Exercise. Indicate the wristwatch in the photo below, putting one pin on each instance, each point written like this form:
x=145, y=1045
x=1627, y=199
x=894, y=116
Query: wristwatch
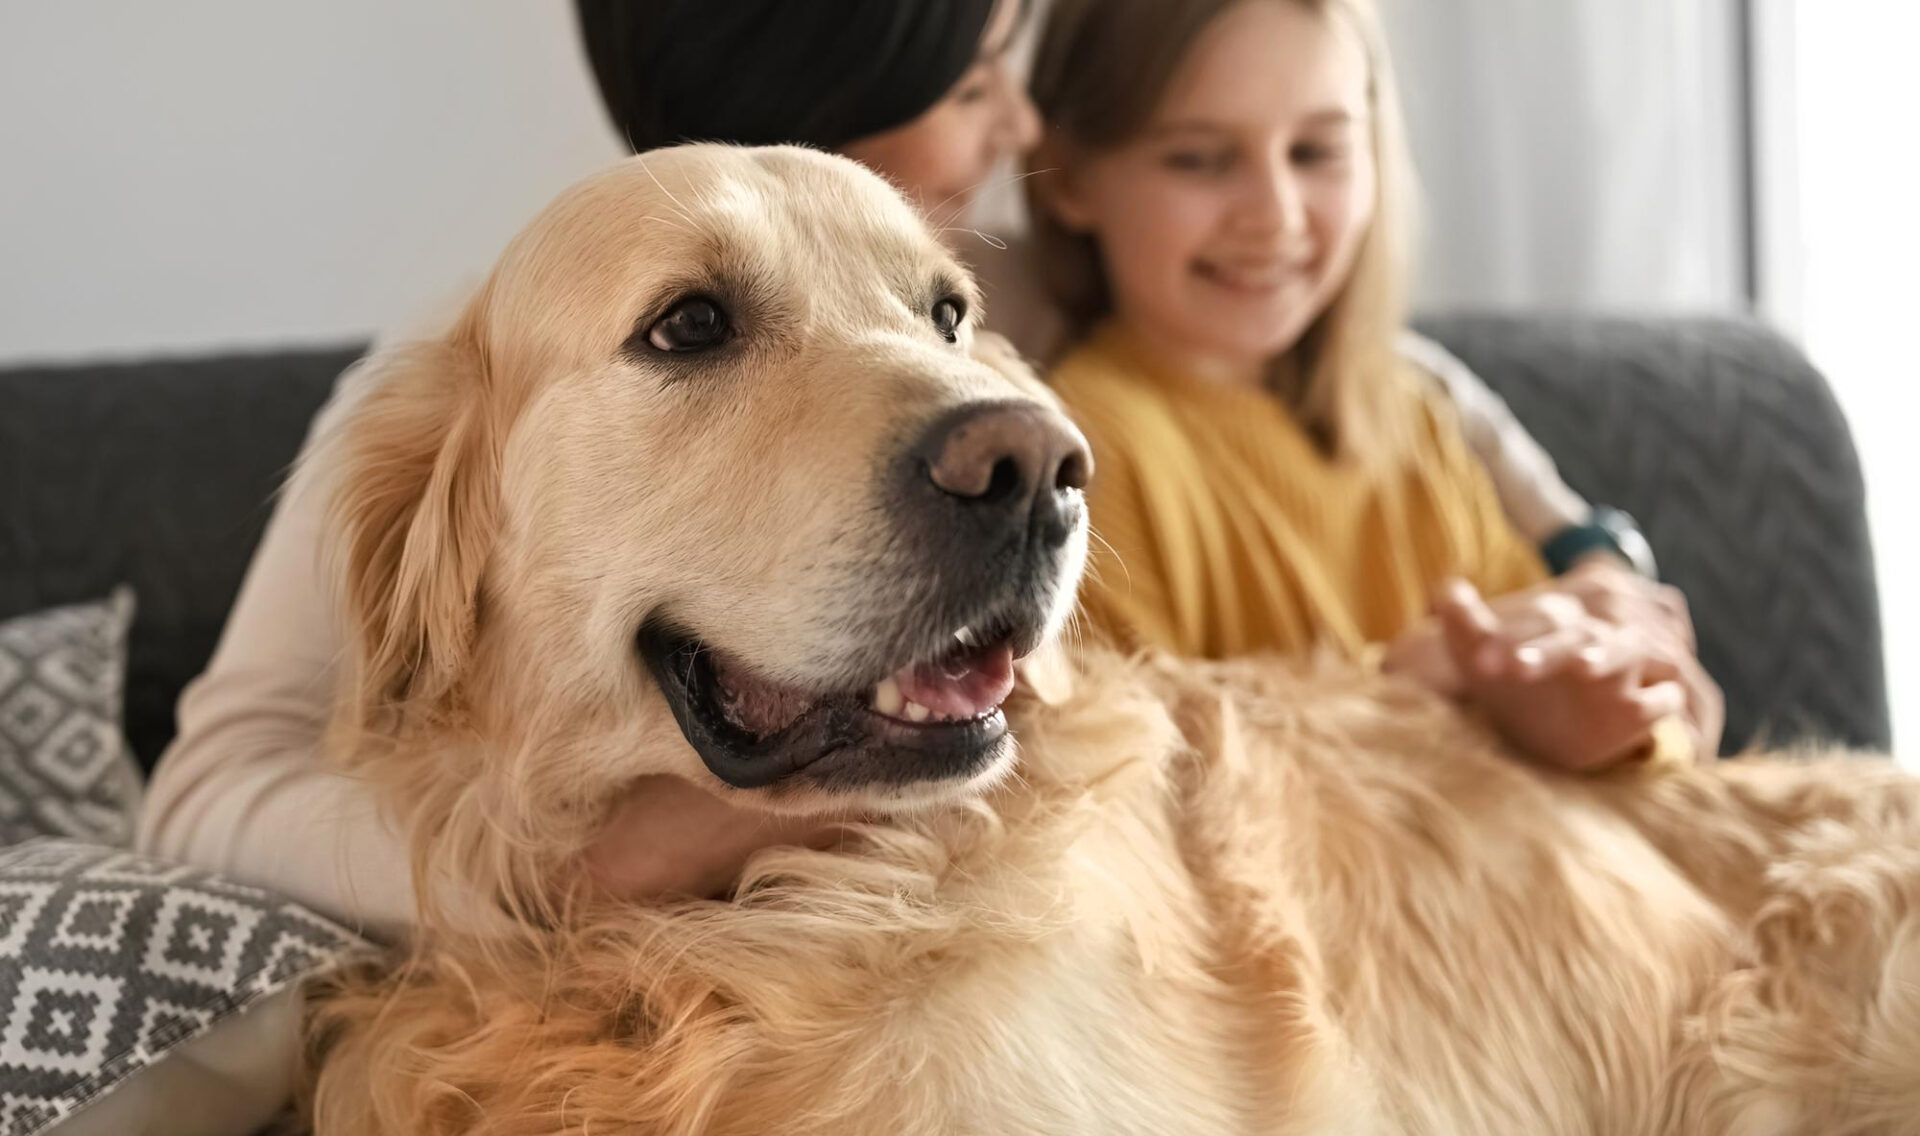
x=1607, y=530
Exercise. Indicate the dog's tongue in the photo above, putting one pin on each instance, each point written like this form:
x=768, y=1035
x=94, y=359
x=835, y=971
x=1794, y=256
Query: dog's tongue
x=967, y=684
x=961, y=686
x=758, y=704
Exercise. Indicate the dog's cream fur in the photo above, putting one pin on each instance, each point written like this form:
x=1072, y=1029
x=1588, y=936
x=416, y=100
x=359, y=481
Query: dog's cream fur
x=1230, y=898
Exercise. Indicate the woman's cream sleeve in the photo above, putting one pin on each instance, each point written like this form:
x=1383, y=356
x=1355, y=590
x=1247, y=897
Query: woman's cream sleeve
x=243, y=788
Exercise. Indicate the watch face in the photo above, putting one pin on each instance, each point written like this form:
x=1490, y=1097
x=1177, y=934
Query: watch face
x=1629, y=540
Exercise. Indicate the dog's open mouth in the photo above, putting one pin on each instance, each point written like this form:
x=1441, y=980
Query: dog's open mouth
x=966, y=685
x=931, y=720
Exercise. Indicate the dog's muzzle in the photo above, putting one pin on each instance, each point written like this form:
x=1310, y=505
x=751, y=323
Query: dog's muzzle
x=988, y=519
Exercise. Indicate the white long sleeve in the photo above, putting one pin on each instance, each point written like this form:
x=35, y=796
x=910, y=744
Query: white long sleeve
x=244, y=789
x=1531, y=491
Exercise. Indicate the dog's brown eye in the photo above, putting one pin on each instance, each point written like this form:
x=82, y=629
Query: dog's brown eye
x=947, y=315
x=695, y=324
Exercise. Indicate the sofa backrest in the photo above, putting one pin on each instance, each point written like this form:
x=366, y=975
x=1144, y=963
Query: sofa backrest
x=1716, y=434
x=156, y=474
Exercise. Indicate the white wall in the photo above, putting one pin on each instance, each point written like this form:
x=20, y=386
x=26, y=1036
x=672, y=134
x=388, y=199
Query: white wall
x=190, y=174
x=186, y=174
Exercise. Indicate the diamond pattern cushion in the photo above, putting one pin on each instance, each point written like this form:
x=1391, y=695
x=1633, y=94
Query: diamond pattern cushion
x=65, y=769
x=110, y=961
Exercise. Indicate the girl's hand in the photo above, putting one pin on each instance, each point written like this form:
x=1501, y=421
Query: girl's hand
x=1571, y=688
x=1422, y=655
x=1604, y=588
x=668, y=837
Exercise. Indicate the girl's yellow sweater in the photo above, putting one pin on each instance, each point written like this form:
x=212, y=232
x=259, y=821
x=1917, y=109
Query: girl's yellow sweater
x=1223, y=529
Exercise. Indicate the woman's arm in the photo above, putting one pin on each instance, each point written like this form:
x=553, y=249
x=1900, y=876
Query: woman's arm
x=1531, y=492
x=243, y=788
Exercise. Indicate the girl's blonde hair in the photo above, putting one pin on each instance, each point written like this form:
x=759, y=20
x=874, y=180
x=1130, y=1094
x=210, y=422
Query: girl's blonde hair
x=1103, y=67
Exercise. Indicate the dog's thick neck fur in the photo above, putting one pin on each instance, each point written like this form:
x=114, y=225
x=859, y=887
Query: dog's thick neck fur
x=1223, y=900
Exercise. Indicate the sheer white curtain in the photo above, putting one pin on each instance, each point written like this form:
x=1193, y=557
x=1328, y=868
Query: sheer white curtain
x=1577, y=154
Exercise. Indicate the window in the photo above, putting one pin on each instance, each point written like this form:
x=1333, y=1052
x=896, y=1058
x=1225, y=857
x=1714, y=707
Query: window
x=1838, y=190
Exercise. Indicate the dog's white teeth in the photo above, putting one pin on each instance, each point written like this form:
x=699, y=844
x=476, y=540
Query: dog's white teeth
x=967, y=638
x=890, y=701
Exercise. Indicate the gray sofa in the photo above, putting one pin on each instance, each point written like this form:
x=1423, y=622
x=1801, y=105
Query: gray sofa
x=1716, y=434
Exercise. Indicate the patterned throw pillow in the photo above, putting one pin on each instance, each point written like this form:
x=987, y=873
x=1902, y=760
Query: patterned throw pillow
x=65, y=769
x=109, y=960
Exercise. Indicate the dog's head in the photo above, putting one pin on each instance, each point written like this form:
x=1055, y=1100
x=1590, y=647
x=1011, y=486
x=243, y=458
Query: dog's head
x=715, y=477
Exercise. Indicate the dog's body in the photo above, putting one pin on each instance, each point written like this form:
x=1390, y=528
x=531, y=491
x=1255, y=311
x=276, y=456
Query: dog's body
x=1231, y=898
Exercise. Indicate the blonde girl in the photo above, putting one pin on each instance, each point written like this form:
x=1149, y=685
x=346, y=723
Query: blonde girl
x=1222, y=206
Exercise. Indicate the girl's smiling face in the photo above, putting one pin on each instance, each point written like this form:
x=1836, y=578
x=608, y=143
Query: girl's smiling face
x=1231, y=222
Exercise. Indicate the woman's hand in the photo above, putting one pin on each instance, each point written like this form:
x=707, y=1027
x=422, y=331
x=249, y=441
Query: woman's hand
x=668, y=837
x=1613, y=592
x=1602, y=586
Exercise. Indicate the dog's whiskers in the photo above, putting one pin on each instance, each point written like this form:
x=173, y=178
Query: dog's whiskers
x=685, y=214
x=986, y=238
x=940, y=224
x=674, y=225
x=1093, y=567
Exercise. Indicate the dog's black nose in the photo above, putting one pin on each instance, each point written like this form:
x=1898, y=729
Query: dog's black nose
x=1014, y=458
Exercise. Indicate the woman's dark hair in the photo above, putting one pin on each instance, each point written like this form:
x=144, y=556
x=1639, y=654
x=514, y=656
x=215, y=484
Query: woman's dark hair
x=760, y=72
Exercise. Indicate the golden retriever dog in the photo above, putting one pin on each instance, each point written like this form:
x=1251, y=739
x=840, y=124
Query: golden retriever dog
x=717, y=478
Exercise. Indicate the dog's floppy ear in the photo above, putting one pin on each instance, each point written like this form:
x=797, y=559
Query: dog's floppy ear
x=415, y=477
